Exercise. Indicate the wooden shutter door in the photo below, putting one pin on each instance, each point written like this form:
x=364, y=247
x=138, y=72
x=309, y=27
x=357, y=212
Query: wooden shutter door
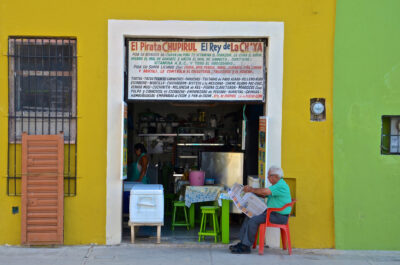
x=42, y=198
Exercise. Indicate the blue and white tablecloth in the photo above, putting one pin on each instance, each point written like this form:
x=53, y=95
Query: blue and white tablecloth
x=194, y=194
x=223, y=196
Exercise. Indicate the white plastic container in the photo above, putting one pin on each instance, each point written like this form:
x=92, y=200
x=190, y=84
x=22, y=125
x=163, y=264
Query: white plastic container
x=146, y=204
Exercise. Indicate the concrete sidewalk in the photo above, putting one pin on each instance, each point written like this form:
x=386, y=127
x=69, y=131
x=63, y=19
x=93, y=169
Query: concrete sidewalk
x=169, y=254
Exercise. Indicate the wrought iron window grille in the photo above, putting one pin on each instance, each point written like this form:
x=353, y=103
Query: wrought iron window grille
x=42, y=100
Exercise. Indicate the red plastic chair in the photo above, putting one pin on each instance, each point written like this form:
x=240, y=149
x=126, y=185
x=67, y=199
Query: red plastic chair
x=285, y=234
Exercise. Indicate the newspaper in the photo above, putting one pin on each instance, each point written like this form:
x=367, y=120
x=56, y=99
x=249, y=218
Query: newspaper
x=247, y=202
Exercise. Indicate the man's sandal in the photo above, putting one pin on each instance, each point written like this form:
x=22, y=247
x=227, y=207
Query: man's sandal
x=231, y=247
x=241, y=250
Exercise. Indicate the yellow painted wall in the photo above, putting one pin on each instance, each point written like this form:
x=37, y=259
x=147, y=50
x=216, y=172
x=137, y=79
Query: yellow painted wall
x=308, y=60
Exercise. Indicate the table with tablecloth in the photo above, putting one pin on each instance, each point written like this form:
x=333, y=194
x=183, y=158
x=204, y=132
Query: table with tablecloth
x=197, y=194
x=194, y=194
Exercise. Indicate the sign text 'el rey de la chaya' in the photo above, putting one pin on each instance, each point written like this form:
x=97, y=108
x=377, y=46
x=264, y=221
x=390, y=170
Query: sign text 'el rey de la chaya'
x=197, y=70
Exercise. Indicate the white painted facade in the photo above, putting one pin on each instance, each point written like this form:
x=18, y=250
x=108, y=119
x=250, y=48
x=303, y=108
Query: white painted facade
x=118, y=30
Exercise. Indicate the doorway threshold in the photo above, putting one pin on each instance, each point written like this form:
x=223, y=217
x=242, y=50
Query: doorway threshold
x=180, y=237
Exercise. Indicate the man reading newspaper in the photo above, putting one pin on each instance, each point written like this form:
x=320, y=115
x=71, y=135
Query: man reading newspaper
x=278, y=195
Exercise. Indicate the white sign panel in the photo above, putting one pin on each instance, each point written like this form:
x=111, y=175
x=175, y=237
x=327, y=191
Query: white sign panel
x=197, y=70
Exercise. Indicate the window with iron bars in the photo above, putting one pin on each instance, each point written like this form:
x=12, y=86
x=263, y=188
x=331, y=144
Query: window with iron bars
x=42, y=101
x=390, y=135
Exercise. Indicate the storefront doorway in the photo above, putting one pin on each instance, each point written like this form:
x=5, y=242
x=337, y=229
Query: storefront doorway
x=119, y=30
x=177, y=137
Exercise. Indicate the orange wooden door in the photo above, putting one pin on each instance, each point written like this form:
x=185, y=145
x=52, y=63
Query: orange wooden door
x=42, y=197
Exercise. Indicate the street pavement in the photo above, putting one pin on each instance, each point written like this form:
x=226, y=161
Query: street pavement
x=193, y=254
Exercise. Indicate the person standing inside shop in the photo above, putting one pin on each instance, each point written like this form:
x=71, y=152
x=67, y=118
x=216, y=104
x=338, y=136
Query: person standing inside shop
x=138, y=170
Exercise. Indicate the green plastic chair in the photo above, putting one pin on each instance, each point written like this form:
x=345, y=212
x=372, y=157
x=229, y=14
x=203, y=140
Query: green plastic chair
x=208, y=212
x=178, y=204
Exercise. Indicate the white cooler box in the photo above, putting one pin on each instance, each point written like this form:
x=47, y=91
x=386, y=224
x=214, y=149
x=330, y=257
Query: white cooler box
x=146, y=204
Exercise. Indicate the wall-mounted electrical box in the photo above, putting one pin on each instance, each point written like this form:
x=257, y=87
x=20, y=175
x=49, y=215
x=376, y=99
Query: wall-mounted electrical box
x=317, y=109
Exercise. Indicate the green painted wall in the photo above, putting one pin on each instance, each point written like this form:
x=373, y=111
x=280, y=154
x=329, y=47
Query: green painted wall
x=366, y=86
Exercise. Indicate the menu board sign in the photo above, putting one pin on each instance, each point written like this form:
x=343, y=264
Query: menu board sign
x=196, y=70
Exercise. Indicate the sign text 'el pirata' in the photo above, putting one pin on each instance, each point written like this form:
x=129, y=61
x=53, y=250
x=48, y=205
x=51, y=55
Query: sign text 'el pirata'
x=197, y=70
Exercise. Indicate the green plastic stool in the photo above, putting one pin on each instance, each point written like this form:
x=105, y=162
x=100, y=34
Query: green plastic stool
x=178, y=204
x=212, y=212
